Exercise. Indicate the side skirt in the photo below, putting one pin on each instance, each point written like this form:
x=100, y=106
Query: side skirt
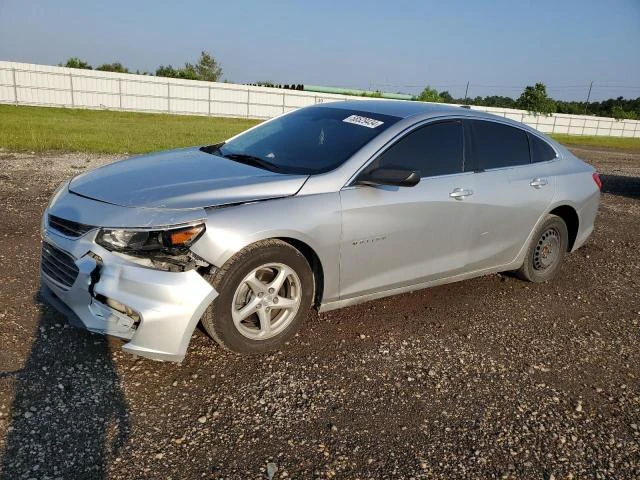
x=347, y=302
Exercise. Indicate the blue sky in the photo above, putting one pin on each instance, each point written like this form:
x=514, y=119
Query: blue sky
x=499, y=46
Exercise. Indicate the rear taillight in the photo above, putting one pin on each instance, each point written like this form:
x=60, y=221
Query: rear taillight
x=596, y=178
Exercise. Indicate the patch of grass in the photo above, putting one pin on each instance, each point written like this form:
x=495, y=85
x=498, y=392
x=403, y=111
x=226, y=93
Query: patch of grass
x=64, y=129
x=620, y=143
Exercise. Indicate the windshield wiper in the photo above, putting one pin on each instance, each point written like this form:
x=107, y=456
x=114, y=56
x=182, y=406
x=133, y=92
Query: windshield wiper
x=252, y=160
x=240, y=157
x=212, y=149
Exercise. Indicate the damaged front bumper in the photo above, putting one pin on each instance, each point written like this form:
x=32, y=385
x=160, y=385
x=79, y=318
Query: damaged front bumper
x=155, y=311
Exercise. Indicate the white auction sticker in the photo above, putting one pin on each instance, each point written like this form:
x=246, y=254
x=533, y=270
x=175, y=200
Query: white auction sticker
x=363, y=121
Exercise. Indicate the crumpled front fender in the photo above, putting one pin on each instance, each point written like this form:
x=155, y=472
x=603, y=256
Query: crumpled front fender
x=169, y=304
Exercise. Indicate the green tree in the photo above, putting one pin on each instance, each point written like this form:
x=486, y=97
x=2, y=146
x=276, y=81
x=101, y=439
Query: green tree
x=75, y=62
x=188, y=72
x=113, y=67
x=620, y=113
x=429, y=95
x=167, y=71
x=208, y=68
x=535, y=100
x=446, y=97
x=499, y=101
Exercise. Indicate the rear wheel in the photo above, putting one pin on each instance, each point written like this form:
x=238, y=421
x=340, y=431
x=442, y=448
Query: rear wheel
x=264, y=294
x=546, y=251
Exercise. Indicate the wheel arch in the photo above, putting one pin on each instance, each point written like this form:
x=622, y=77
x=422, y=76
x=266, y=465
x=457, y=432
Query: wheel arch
x=219, y=256
x=570, y=217
x=314, y=262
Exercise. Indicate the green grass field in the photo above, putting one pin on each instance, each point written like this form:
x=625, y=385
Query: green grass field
x=620, y=143
x=64, y=129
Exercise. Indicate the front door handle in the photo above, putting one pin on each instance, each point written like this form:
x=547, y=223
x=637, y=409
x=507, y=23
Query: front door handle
x=538, y=182
x=460, y=193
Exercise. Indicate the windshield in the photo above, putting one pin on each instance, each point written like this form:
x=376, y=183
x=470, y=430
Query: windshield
x=306, y=141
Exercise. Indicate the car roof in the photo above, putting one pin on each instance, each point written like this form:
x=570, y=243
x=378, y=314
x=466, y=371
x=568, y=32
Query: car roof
x=408, y=108
x=396, y=108
x=405, y=109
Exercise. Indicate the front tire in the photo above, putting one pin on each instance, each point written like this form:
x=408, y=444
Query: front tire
x=546, y=251
x=264, y=294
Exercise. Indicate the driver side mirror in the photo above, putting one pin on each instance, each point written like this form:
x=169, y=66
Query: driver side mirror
x=389, y=176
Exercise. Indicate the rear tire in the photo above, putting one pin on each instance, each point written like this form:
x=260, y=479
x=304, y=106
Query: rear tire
x=264, y=294
x=546, y=251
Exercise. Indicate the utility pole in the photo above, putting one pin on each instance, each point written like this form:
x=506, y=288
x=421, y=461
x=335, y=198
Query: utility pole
x=588, y=97
x=466, y=91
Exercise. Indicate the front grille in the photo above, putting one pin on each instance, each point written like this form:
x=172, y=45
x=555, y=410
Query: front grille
x=67, y=227
x=58, y=265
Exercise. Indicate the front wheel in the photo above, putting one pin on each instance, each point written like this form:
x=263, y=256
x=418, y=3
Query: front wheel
x=546, y=251
x=264, y=294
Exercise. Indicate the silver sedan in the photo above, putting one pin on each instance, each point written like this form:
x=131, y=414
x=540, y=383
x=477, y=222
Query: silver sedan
x=326, y=206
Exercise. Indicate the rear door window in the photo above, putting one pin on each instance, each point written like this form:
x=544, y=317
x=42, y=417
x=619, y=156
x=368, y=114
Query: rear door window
x=496, y=145
x=541, y=151
x=435, y=149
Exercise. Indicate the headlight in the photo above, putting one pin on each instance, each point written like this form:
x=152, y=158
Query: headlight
x=174, y=240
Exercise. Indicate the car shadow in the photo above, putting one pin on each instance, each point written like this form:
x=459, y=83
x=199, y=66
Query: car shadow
x=621, y=185
x=69, y=415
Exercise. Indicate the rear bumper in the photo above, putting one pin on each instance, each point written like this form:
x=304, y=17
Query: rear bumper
x=586, y=219
x=167, y=305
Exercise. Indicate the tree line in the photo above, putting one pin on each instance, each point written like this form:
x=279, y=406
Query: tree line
x=206, y=68
x=536, y=100
x=533, y=99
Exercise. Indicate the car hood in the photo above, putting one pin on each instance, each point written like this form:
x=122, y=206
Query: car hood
x=183, y=178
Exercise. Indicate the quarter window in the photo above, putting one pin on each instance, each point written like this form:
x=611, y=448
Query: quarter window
x=497, y=145
x=541, y=151
x=436, y=149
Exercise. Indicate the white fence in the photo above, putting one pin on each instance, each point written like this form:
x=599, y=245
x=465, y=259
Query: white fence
x=30, y=84
x=45, y=85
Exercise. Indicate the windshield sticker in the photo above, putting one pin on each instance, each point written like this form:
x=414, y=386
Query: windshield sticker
x=363, y=121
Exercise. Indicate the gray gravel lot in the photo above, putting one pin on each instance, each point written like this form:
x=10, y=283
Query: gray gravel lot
x=488, y=378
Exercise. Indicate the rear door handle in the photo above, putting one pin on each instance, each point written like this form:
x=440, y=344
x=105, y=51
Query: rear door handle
x=460, y=193
x=538, y=182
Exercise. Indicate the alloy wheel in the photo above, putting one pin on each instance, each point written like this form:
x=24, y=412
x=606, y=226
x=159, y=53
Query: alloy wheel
x=266, y=301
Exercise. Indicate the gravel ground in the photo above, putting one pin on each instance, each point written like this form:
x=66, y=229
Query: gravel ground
x=488, y=378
